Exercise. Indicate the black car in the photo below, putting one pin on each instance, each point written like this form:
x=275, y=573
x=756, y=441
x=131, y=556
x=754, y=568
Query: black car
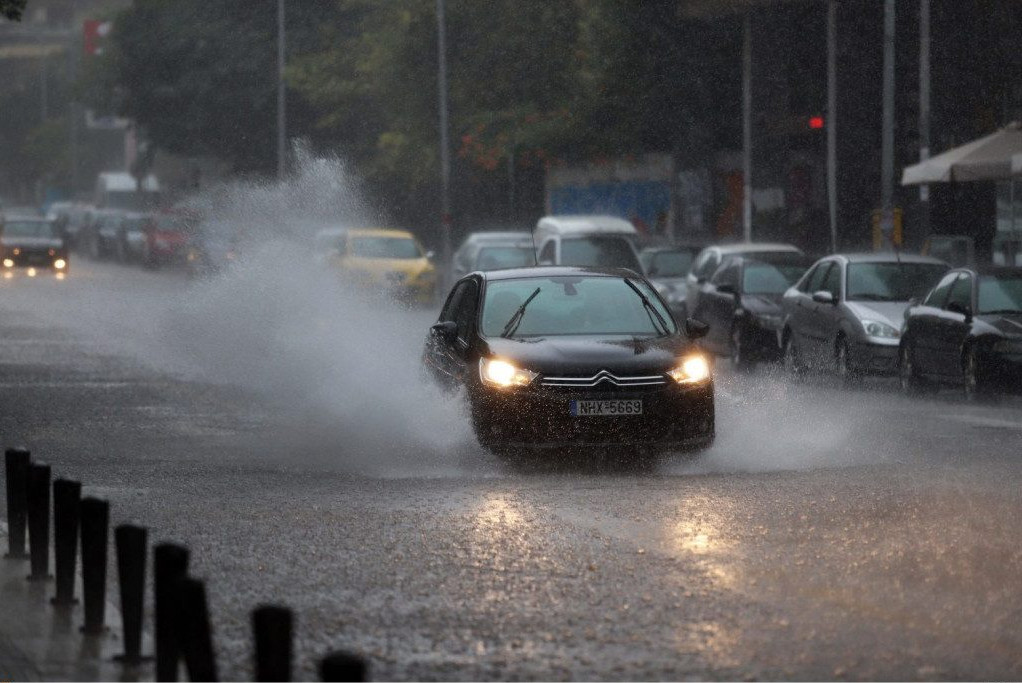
x=741, y=303
x=32, y=243
x=967, y=332
x=572, y=358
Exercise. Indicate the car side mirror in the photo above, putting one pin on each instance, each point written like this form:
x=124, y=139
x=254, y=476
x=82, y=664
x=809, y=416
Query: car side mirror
x=695, y=329
x=446, y=330
x=824, y=297
x=727, y=288
x=961, y=309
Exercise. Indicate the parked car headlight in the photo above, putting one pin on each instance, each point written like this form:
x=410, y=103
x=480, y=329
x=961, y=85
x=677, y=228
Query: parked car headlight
x=875, y=328
x=691, y=370
x=500, y=373
x=8, y=263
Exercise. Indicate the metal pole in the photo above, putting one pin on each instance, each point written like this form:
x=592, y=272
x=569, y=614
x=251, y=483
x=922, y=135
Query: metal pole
x=887, y=154
x=831, y=122
x=445, y=151
x=924, y=112
x=747, y=126
x=44, y=96
x=281, y=110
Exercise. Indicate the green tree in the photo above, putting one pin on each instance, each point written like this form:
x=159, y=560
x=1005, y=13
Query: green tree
x=12, y=9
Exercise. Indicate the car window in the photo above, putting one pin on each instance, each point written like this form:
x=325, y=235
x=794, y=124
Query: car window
x=891, y=281
x=548, y=254
x=465, y=309
x=1001, y=293
x=815, y=280
x=709, y=265
x=447, y=312
x=670, y=263
x=384, y=247
x=832, y=283
x=494, y=258
x=938, y=295
x=28, y=229
x=573, y=305
x=770, y=278
x=727, y=274
x=599, y=250
x=961, y=292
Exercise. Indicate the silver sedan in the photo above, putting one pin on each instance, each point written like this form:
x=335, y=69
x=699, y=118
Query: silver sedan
x=846, y=312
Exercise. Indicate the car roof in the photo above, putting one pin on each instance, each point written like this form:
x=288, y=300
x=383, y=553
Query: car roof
x=495, y=235
x=379, y=232
x=579, y=224
x=680, y=246
x=752, y=247
x=990, y=269
x=770, y=257
x=555, y=271
x=887, y=257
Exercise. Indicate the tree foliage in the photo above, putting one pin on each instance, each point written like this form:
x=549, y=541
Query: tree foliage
x=12, y=9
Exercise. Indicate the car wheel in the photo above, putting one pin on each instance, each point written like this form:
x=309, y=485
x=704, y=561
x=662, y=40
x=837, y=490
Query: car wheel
x=908, y=376
x=739, y=356
x=973, y=382
x=792, y=363
x=842, y=363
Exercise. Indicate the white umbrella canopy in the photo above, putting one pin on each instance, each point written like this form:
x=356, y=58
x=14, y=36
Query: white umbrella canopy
x=988, y=158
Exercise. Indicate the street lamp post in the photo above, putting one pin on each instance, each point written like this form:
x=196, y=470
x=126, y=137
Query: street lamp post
x=445, y=151
x=281, y=110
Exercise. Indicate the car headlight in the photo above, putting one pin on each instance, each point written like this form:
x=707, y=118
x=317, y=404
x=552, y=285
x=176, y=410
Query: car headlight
x=875, y=328
x=500, y=373
x=60, y=264
x=8, y=263
x=691, y=370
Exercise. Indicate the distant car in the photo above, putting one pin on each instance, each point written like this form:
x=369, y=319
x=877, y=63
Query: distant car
x=464, y=259
x=132, y=235
x=967, y=331
x=583, y=240
x=666, y=268
x=741, y=303
x=385, y=259
x=32, y=243
x=846, y=312
x=213, y=247
x=101, y=236
x=167, y=235
x=710, y=258
x=567, y=358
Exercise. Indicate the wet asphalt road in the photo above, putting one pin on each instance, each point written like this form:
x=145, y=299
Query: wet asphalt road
x=829, y=533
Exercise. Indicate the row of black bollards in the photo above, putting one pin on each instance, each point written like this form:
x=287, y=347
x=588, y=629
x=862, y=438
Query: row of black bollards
x=183, y=633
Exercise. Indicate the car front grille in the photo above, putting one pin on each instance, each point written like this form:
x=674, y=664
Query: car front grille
x=604, y=377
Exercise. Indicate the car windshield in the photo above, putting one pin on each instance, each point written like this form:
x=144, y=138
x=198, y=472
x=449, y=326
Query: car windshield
x=572, y=305
x=602, y=251
x=670, y=263
x=891, y=281
x=767, y=278
x=1000, y=293
x=385, y=247
x=28, y=229
x=494, y=258
x=171, y=224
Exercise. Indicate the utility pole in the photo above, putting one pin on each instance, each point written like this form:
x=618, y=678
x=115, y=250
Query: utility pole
x=281, y=110
x=445, y=151
x=747, y=126
x=887, y=145
x=44, y=95
x=924, y=112
x=831, y=120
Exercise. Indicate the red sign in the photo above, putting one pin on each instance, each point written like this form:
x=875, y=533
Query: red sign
x=94, y=36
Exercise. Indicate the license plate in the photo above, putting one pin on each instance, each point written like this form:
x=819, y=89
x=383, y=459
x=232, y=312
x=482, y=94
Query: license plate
x=605, y=408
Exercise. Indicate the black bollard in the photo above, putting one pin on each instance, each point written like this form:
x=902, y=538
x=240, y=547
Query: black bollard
x=66, y=499
x=16, y=461
x=194, y=633
x=39, y=521
x=170, y=564
x=273, y=628
x=131, y=555
x=95, y=522
x=343, y=666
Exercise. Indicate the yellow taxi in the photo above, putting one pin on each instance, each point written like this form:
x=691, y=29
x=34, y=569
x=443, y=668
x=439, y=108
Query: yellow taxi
x=388, y=259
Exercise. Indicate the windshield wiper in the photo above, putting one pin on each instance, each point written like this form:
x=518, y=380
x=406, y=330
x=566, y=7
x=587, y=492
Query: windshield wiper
x=516, y=319
x=650, y=309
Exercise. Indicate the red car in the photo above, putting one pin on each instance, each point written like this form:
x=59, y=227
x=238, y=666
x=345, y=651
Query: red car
x=167, y=237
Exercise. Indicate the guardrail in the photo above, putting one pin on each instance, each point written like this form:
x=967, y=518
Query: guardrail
x=182, y=629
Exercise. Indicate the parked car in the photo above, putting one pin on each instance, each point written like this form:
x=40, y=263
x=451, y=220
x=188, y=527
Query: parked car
x=32, y=243
x=597, y=241
x=466, y=256
x=666, y=268
x=100, y=237
x=710, y=258
x=572, y=358
x=967, y=331
x=741, y=303
x=846, y=312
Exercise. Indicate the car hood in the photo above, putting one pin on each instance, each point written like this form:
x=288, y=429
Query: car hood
x=380, y=267
x=766, y=304
x=890, y=312
x=32, y=242
x=1008, y=324
x=587, y=355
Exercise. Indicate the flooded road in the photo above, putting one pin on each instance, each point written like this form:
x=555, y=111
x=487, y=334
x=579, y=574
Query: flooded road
x=829, y=533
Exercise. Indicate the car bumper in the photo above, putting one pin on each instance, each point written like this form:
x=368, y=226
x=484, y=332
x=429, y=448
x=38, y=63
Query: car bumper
x=673, y=418
x=874, y=358
x=32, y=260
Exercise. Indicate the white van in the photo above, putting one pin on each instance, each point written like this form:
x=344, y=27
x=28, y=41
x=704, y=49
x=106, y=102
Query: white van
x=600, y=241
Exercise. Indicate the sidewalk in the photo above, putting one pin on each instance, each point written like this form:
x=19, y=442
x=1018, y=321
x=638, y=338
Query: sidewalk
x=41, y=643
